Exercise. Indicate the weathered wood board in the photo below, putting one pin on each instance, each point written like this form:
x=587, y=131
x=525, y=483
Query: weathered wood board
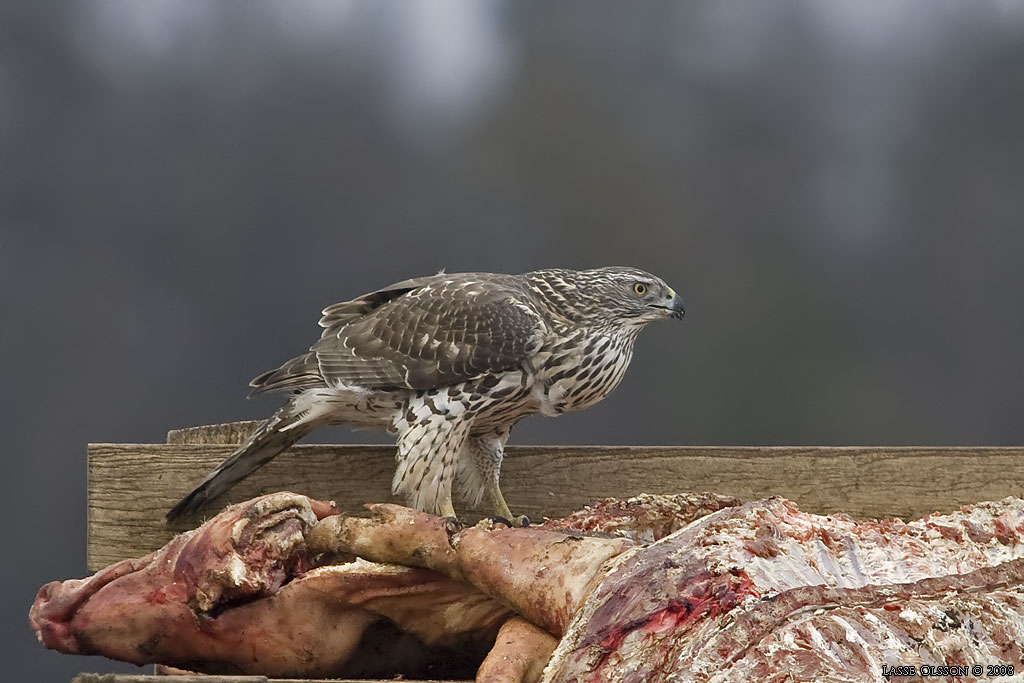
x=131, y=486
x=141, y=678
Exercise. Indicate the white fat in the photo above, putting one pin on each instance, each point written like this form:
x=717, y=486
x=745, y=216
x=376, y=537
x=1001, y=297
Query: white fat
x=823, y=644
x=236, y=570
x=829, y=568
x=360, y=566
x=913, y=616
x=852, y=635
x=862, y=554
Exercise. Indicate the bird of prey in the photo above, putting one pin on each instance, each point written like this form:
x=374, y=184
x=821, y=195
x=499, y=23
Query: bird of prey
x=449, y=363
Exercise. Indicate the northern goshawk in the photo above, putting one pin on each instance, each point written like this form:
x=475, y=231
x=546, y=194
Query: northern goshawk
x=449, y=363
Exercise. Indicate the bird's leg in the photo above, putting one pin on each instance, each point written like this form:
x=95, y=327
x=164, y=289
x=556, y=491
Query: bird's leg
x=501, y=508
x=480, y=468
x=447, y=509
x=498, y=502
x=427, y=451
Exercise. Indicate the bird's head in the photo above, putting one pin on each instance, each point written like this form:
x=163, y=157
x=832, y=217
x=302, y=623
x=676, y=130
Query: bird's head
x=616, y=295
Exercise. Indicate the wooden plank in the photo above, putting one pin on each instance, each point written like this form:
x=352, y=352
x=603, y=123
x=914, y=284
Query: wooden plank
x=142, y=678
x=132, y=485
x=226, y=433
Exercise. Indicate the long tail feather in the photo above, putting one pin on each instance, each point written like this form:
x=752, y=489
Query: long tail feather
x=273, y=436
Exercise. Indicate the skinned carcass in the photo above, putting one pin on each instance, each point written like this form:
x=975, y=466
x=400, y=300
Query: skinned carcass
x=744, y=593
x=243, y=594
x=651, y=588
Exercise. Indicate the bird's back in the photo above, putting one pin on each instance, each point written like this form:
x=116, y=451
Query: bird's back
x=416, y=334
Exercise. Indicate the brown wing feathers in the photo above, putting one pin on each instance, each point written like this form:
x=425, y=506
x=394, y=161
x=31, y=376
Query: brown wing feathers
x=301, y=372
x=434, y=336
x=418, y=334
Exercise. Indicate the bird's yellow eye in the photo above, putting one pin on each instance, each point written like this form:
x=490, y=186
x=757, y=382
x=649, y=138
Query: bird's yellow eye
x=640, y=288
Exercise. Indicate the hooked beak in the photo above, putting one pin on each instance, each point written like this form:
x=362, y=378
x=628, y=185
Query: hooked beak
x=673, y=308
x=676, y=308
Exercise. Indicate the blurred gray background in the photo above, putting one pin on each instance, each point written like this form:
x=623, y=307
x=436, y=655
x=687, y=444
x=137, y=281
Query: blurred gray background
x=835, y=188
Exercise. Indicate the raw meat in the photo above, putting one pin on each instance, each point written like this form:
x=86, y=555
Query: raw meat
x=645, y=589
x=644, y=518
x=660, y=605
x=520, y=653
x=673, y=610
x=241, y=595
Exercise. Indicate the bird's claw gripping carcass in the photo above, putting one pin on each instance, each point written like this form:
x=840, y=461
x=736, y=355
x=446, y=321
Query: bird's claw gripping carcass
x=652, y=588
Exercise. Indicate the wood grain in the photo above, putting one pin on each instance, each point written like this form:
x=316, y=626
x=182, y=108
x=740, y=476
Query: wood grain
x=226, y=433
x=142, y=678
x=131, y=486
